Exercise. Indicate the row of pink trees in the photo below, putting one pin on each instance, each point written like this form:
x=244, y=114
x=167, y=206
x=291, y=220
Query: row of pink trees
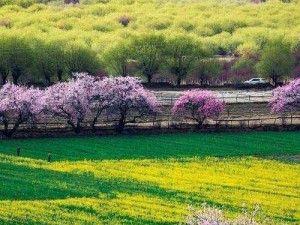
x=75, y=101
x=85, y=97
x=200, y=105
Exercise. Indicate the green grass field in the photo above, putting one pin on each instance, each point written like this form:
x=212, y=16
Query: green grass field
x=149, y=179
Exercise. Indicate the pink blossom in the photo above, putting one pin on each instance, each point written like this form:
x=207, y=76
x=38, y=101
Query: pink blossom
x=286, y=98
x=70, y=100
x=102, y=99
x=85, y=95
x=213, y=216
x=127, y=95
x=18, y=104
x=198, y=105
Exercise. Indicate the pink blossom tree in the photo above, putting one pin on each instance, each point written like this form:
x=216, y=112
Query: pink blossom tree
x=198, y=105
x=210, y=215
x=70, y=100
x=18, y=104
x=102, y=98
x=286, y=98
x=127, y=96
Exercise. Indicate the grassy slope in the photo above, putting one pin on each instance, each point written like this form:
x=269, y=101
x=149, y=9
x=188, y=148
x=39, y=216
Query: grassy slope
x=209, y=21
x=147, y=179
x=157, y=146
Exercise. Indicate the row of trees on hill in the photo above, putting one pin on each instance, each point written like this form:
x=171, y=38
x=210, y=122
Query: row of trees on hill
x=101, y=25
x=43, y=61
x=27, y=3
x=150, y=56
x=84, y=99
x=186, y=58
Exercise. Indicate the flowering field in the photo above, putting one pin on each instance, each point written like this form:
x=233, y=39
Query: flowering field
x=148, y=179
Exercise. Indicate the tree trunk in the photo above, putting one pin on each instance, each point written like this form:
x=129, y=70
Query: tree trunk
x=274, y=78
x=15, y=79
x=4, y=74
x=275, y=81
x=178, y=82
x=76, y=128
x=201, y=81
x=124, y=70
x=16, y=73
x=121, y=124
x=4, y=79
x=6, y=131
x=95, y=120
x=9, y=133
x=94, y=124
x=149, y=78
x=59, y=73
x=200, y=123
x=48, y=79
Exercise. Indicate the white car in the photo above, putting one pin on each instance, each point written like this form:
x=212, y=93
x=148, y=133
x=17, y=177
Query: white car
x=256, y=81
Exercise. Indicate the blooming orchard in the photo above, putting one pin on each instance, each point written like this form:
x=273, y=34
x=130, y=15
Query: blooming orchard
x=82, y=100
x=18, y=104
x=286, y=98
x=198, y=105
x=75, y=101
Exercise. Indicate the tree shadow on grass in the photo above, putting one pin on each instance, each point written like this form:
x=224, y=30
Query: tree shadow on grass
x=104, y=220
x=25, y=183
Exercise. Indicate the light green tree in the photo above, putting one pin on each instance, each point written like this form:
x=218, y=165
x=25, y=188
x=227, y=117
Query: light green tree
x=81, y=58
x=207, y=68
x=58, y=55
x=16, y=57
x=182, y=54
x=148, y=52
x=4, y=66
x=43, y=60
x=276, y=61
x=116, y=59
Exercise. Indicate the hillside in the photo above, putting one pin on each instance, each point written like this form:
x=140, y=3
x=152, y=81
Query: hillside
x=223, y=26
x=148, y=179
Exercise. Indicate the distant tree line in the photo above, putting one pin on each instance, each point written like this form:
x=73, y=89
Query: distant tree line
x=27, y=3
x=151, y=56
x=23, y=59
